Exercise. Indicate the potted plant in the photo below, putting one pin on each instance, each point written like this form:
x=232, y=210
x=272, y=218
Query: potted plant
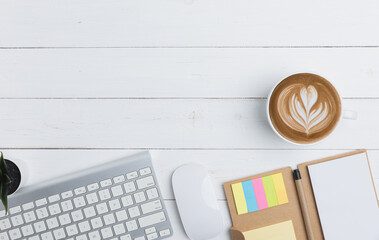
x=11, y=178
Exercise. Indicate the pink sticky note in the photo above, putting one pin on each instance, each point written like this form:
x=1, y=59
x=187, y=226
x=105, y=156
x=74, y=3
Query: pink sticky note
x=260, y=194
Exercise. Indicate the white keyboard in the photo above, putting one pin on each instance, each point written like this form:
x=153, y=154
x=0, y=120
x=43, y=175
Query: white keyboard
x=120, y=200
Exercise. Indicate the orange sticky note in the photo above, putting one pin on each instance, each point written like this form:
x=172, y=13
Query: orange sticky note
x=280, y=188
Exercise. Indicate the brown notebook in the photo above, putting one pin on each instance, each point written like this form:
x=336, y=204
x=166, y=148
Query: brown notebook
x=245, y=221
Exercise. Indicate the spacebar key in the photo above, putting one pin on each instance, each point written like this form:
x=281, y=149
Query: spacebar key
x=152, y=219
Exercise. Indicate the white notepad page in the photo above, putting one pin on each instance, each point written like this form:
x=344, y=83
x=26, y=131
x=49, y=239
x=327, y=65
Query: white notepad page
x=345, y=198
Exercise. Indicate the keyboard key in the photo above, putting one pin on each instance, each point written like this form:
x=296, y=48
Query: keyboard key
x=27, y=230
x=15, y=210
x=5, y=224
x=127, y=201
x=15, y=233
x=117, y=191
x=126, y=237
x=59, y=234
x=64, y=219
x=109, y=219
x=84, y=226
x=104, y=194
x=80, y=190
x=150, y=230
x=52, y=223
x=54, y=198
x=144, y=171
x=81, y=237
x=72, y=230
x=17, y=220
x=41, y=202
x=106, y=232
x=131, y=225
x=152, y=193
x=39, y=226
x=28, y=206
x=42, y=213
x=95, y=235
x=67, y=194
x=152, y=219
x=119, y=229
x=101, y=208
x=47, y=236
x=92, y=198
x=140, y=238
x=29, y=217
x=164, y=232
x=132, y=175
x=152, y=236
x=33, y=238
x=151, y=206
x=145, y=182
x=114, y=204
x=54, y=209
x=67, y=206
x=77, y=215
x=93, y=186
x=2, y=214
x=106, y=183
x=119, y=179
x=79, y=202
x=4, y=236
x=121, y=215
x=89, y=212
x=134, y=212
x=129, y=187
x=96, y=223
x=139, y=197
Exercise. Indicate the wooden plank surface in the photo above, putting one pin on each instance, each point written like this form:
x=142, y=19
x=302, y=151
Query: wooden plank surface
x=169, y=23
x=165, y=123
x=180, y=73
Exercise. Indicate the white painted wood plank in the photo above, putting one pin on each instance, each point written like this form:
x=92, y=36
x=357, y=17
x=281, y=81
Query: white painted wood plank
x=133, y=73
x=163, y=123
x=223, y=165
x=77, y=23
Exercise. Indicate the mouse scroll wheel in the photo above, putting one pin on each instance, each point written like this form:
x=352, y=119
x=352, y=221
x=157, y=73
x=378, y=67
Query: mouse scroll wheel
x=208, y=193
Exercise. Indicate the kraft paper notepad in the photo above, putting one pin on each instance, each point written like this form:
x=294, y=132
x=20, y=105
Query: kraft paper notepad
x=268, y=202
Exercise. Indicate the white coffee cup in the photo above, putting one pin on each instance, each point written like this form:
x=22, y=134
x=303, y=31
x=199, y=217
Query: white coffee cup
x=345, y=114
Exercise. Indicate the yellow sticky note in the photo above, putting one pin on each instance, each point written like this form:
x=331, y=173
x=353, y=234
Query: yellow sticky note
x=279, y=231
x=280, y=188
x=239, y=198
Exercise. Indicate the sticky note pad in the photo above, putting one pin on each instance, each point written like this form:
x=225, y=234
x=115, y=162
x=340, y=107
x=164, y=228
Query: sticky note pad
x=260, y=193
x=279, y=231
x=239, y=198
x=270, y=191
x=251, y=201
x=280, y=188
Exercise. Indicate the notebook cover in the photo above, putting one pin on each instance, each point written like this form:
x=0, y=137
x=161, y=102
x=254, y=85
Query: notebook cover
x=268, y=216
x=311, y=202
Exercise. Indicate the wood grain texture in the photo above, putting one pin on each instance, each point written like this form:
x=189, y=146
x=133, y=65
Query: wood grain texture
x=162, y=123
x=180, y=73
x=94, y=23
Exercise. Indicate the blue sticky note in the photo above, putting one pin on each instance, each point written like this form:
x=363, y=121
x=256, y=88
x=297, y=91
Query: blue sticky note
x=251, y=201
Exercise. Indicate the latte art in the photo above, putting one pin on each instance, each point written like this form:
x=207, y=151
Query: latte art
x=304, y=108
x=305, y=112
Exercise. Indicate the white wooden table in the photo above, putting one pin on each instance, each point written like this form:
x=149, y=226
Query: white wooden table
x=84, y=82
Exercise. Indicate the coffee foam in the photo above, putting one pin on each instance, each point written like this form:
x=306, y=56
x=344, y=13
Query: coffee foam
x=305, y=108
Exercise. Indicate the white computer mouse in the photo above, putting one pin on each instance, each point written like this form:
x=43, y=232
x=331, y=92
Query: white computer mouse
x=197, y=202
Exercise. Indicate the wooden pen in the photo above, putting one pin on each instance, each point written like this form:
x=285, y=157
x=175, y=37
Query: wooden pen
x=303, y=204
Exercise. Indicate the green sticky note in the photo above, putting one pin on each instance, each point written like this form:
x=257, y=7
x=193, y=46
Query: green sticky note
x=269, y=186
